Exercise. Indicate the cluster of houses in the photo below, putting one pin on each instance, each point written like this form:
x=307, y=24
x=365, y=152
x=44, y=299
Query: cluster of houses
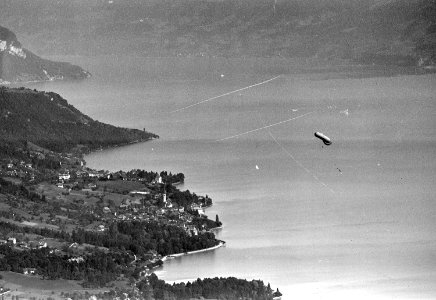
x=24, y=245
x=134, y=209
x=24, y=168
x=67, y=174
x=29, y=271
x=150, y=260
x=17, y=168
x=68, y=178
x=72, y=248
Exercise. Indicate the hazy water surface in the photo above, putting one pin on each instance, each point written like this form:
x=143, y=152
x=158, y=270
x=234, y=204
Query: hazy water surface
x=352, y=220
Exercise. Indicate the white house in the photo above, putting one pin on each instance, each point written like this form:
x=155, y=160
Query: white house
x=140, y=192
x=74, y=245
x=29, y=271
x=77, y=259
x=158, y=179
x=93, y=174
x=64, y=176
x=191, y=230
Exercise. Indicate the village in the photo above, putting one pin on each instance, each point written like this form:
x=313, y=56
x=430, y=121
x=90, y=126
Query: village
x=71, y=198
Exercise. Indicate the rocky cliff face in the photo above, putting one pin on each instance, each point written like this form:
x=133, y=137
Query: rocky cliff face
x=18, y=64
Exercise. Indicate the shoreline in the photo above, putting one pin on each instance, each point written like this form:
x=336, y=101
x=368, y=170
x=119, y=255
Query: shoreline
x=100, y=149
x=220, y=244
x=171, y=256
x=217, y=228
x=11, y=83
x=176, y=255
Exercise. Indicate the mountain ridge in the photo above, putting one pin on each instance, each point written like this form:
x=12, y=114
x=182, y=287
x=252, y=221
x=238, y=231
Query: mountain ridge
x=364, y=31
x=18, y=64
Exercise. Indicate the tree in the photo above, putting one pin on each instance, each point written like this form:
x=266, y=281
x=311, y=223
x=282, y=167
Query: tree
x=217, y=221
x=148, y=291
x=113, y=230
x=277, y=293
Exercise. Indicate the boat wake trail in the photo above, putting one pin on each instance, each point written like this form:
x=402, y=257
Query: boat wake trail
x=301, y=165
x=264, y=127
x=226, y=94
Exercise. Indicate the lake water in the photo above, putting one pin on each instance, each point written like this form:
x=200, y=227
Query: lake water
x=354, y=220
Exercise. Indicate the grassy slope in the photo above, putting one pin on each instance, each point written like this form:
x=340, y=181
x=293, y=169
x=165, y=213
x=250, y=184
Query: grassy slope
x=32, y=286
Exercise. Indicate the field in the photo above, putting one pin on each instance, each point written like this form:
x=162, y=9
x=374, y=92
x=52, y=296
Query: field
x=107, y=190
x=32, y=287
x=120, y=186
x=27, y=286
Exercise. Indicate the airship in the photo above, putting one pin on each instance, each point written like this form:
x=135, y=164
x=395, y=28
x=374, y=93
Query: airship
x=323, y=138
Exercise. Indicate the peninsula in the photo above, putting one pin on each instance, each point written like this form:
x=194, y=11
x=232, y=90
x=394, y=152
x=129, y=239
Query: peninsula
x=92, y=230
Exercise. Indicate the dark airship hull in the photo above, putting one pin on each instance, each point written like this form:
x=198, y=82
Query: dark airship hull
x=326, y=140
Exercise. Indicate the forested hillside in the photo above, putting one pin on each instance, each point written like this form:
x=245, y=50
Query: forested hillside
x=395, y=32
x=46, y=119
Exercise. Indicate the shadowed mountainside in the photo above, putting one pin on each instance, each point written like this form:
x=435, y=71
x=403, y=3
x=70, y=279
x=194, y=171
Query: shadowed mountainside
x=392, y=32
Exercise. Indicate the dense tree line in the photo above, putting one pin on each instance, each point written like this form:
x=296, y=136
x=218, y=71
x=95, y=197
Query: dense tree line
x=7, y=187
x=151, y=287
x=96, y=269
x=48, y=163
x=135, y=236
x=170, y=178
x=149, y=176
x=206, y=223
x=12, y=149
x=209, y=288
x=140, y=237
x=186, y=198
